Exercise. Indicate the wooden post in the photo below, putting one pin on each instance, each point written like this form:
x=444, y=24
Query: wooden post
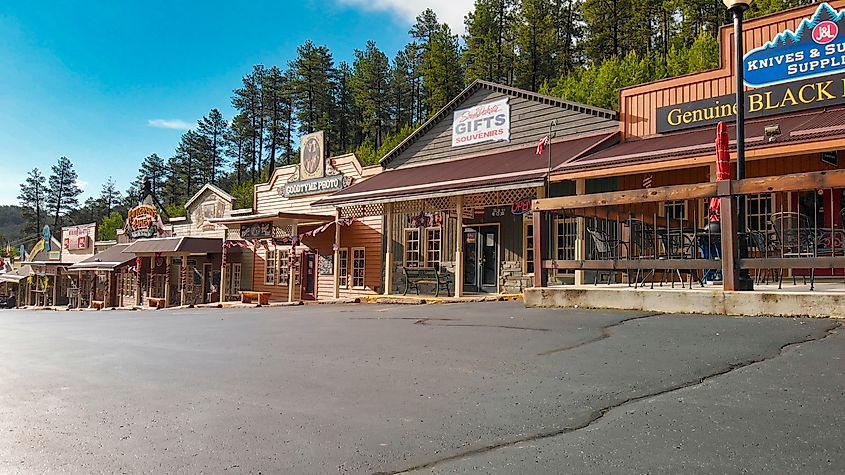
x=183, y=281
x=459, y=248
x=291, y=260
x=336, y=248
x=580, y=233
x=55, y=286
x=167, y=282
x=222, y=288
x=388, y=249
x=539, y=272
x=730, y=249
x=93, y=294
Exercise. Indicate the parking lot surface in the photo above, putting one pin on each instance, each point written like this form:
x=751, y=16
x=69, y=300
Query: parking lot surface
x=463, y=388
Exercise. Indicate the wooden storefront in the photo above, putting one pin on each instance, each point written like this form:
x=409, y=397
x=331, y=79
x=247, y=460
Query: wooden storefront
x=300, y=252
x=454, y=194
x=794, y=125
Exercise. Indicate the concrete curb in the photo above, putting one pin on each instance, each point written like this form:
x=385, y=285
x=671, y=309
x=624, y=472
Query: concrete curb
x=709, y=302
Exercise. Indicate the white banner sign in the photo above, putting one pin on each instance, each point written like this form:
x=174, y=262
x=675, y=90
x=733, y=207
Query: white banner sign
x=488, y=122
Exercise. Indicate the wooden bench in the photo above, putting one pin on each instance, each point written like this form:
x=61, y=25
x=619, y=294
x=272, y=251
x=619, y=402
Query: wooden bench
x=414, y=276
x=156, y=302
x=248, y=296
x=98, y=304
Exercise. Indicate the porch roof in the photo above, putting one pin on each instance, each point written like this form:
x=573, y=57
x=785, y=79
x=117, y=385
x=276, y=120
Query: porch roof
x=795, y=128
x=520, y=167
x=16, y=275
x=170, y=245
x=107, y=260
x=287, y=218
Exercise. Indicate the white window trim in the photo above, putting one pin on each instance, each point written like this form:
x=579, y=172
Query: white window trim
x=423, y=243
x=282, y=264
x=363, y=269
x=343, y=260
x=270, y=265
x=525, y=225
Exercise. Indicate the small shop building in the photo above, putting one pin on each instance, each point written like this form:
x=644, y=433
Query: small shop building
x=293, y=251
x=648, y=197
x=455, y=196
x=49, y=281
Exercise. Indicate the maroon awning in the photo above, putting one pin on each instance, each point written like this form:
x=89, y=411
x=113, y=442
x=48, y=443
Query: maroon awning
x=521, y=167
x=795, y=128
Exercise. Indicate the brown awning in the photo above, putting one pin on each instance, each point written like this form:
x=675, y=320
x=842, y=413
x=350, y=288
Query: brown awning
x=181, y=245
x=287, y=218
x=521, y=167
x=106, y=260
x=795, y=128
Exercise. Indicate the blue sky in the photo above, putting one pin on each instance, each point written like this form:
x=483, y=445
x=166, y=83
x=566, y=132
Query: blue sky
x=107, y=83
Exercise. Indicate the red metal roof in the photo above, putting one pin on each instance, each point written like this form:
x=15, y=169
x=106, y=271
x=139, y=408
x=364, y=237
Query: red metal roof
x=795, y=128
x=513, y=167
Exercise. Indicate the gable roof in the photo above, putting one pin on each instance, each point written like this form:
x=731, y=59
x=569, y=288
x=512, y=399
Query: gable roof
x=214, y=189
x=508, y=90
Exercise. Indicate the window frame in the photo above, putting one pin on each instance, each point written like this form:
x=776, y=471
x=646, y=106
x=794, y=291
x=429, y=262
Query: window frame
x=528, y=233
x=283, y=266
x=343, y=267
x=270, y=266
x=418, y=250
x=363, y=267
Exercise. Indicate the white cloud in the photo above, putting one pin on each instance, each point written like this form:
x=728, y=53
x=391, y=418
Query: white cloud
x=449, y=11
x=169, y=124
x=82, y=184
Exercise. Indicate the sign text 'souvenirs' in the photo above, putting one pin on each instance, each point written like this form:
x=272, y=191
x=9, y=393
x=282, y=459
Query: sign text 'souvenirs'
x=487, y=122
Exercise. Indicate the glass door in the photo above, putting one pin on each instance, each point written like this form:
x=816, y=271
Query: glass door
x=481, y=259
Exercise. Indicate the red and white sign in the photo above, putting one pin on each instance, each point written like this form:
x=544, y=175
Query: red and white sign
x=825, y=32
x=76, y=238
x=487, y=122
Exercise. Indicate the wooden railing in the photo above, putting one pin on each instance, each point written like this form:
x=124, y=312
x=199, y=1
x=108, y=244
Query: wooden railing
x=618, y=210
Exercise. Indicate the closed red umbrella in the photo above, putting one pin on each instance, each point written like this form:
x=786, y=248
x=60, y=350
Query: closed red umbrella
x=723, y=165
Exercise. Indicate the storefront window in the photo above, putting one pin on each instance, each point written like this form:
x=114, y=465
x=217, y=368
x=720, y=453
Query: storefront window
x=528, y=245
x=284, y=267
x=432, y=247
x=358, y=266
x=758, y=211
x=270, y=268
x=675, y=209
x=343, y=267
x=412, y=248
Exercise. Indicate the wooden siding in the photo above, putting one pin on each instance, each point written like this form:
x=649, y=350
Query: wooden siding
x=530, y=121
x=638, y=104
x=364, y=232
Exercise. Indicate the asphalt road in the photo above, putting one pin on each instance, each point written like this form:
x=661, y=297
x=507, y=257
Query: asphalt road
x=469, y=388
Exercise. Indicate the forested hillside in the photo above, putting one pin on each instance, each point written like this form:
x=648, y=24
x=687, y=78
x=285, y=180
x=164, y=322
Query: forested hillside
x=11, y=223
x=581, y=50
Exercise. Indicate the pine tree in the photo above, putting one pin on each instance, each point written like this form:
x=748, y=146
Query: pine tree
x=535, y=40
x=370, y=89
x=278, y=108
x=238, y=138
x=489, y=52
x=32, y=200
x=152, y=167
x=247, y=101
x=313, y=90
x=62, y=197
x=109, y=198
x=442, y=76
x=213, y=128
x=400, y=91
x=348, y=116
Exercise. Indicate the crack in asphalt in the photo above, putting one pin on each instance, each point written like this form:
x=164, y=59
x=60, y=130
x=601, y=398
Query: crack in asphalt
x=605, y=333
x=598, y=414
x=425, y=321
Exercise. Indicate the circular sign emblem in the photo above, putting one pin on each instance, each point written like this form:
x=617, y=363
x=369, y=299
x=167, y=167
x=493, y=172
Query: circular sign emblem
x=311, y=156
x=825, y=32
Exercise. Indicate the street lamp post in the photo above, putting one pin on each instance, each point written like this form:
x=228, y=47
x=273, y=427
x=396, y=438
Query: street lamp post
x=737, y=8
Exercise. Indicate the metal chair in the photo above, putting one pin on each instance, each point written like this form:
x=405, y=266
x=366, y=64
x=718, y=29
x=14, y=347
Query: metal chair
x=642, y=246
x=605, y=248
x=796, y=238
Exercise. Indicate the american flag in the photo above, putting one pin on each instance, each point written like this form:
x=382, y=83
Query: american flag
x=542, y=144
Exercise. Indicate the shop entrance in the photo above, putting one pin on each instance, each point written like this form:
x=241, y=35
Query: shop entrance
x=481, y=259
x=309, y=276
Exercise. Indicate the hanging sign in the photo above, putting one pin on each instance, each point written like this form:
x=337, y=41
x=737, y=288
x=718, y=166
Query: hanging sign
x=816, y=48
x=76, y=238
x=831, y=159
x=143, y=221
x=257, y=230
x=312, y=159
x=487, y=122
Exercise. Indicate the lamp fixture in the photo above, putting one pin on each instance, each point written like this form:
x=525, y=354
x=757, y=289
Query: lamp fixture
x=737, y=5
x=772, y=131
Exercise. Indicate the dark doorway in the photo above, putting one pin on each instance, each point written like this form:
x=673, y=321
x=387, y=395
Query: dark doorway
x=309, y=276
x=481, y=259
